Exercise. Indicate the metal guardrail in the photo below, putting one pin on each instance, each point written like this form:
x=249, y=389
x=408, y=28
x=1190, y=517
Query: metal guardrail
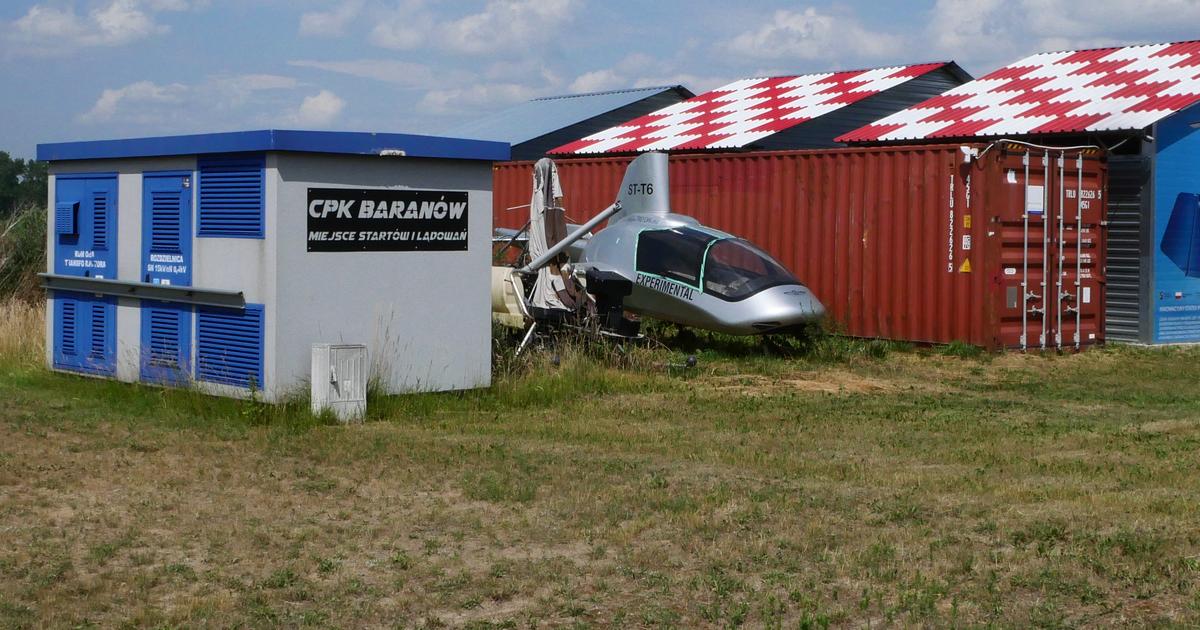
x=144, y=290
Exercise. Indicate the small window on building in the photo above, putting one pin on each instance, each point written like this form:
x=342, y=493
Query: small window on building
x=231, y=192
x=676, y=254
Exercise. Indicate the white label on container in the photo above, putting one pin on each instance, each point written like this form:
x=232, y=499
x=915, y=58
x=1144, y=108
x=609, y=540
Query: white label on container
x=1034, y=202
x=1012, y=176
x=1010, y=271
x=1087, y=295
x=966, y=243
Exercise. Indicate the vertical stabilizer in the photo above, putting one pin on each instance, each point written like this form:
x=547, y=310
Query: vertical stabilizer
x=646, y=187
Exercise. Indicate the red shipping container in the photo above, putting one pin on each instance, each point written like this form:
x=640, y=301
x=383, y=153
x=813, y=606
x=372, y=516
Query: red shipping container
x=1000, y=246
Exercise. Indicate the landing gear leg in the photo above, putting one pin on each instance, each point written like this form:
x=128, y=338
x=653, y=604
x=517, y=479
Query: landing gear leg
x=525, y=341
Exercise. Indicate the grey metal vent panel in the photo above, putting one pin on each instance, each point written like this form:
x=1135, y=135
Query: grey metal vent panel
x=1128, y=183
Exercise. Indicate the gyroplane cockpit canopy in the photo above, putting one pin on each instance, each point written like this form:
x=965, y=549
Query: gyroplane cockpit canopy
x=727, y=268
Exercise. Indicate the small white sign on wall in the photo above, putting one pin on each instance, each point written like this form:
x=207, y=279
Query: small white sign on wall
x=1035, y=200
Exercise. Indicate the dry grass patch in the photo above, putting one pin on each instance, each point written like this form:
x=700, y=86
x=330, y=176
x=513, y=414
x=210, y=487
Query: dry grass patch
x=22, y=332
x=910, y=489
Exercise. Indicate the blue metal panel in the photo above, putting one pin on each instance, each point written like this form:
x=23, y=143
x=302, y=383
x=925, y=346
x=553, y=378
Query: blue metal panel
x=166, y=343
x=1181, y=240
x=91, y=250
x=338, y=142
x=85, y=333
x=231, y=197
x=1176, y=295
x=229, y=346
x=167, y=228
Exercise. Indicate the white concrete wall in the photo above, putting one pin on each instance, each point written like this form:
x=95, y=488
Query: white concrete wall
x=424, y=316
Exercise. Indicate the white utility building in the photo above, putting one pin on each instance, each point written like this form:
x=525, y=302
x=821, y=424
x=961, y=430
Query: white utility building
x=219, y=260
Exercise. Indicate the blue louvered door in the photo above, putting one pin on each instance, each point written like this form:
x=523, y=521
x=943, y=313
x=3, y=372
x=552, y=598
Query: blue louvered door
x=84, y=333
x=167, y=228
x=166, y=338
x=84, y=244
x=85, y=225
x=166, y=343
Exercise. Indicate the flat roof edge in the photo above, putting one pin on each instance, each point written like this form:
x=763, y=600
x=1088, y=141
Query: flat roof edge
x=265, y=140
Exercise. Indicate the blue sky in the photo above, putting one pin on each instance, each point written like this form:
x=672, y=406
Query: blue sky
x=88, y=69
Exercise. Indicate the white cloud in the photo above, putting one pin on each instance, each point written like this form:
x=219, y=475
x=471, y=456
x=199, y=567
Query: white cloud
x=405, y=73
x=231, y=92
x=111, y=101
x=506, y=25
x=176, y=5
x=403, y=28
x=318, y=110
x=46, y=30
x=330, y=23
x=812, y=35
x=597, y=81
x=502, y=27
x=190, y=106
x=122, y=22
x=987, y=34
x=639, y=70
x=49, y=22
x=476, y=97
x=696, y=83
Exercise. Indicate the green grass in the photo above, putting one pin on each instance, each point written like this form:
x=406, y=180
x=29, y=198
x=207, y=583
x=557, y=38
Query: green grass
x=823, y=483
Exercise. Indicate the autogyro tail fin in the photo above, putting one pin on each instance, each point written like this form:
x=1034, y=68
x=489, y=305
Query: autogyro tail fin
x=645, y=188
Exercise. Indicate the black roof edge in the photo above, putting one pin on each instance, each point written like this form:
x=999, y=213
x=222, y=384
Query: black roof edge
x=959, y=73
x=657, y=88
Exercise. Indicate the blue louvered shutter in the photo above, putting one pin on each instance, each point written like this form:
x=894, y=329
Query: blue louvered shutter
x=166, y=342
x=99, y=332
x=231, y=194
x=64, y=217
x=100, y=220
x=166, y=236
x=229, y=346
x=68, y=328
x=164, y=351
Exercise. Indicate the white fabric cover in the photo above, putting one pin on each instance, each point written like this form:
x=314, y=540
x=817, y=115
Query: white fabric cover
x=546, y=189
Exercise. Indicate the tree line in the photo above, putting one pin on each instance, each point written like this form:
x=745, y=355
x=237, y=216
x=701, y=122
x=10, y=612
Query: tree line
x=22, y=226
x=22, y=184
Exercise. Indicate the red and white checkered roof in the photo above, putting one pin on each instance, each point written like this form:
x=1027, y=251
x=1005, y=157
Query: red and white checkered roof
x=1106, y=89
x=744, y=111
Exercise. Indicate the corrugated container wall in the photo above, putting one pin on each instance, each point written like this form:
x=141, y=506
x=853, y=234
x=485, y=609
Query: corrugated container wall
x=910, y=243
